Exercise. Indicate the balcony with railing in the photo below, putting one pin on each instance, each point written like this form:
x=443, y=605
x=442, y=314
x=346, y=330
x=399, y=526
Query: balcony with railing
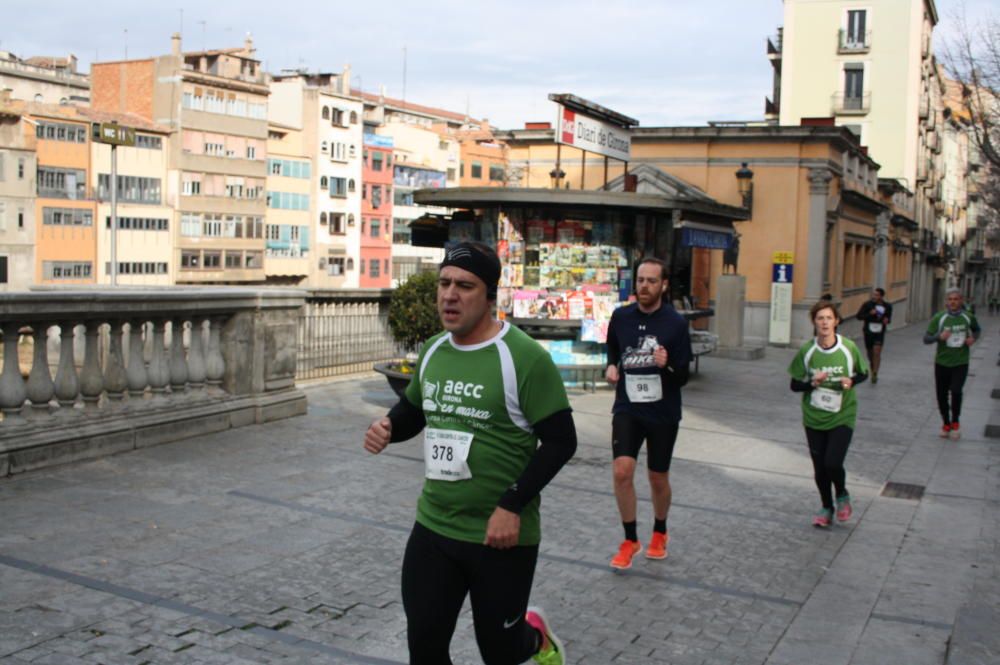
x=849, y=41
x=845, y=104
x=92, y=372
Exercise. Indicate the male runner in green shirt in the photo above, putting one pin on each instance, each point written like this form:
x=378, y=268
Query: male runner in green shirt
x=484, y=394
x=955, y=329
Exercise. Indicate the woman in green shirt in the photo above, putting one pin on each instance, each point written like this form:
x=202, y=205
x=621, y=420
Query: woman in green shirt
x=825, y=371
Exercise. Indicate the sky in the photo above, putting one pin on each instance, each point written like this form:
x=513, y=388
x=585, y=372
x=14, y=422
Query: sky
x=664, y=62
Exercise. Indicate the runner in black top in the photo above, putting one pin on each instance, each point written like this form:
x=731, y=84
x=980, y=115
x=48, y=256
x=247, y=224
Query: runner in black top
x=876, y=315
x=649, y=349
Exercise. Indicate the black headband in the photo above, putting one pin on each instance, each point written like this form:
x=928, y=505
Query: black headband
x=486, y=267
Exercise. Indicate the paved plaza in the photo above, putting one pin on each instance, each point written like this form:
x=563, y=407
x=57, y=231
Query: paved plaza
x=283, y=542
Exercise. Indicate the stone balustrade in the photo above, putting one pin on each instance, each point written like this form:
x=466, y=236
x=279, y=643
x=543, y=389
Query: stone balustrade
x=116, y=369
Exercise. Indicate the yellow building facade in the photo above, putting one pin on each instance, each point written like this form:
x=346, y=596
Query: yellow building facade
x=816, y=194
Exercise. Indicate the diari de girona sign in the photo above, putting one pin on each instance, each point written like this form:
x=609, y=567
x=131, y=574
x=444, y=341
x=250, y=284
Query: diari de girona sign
x=581, y=131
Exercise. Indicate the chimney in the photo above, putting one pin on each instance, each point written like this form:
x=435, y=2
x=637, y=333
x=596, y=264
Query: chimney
x=345, y=80
x=175, y=44
x=71, y=62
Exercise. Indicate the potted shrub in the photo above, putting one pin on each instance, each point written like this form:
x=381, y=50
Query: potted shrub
x=413, y=318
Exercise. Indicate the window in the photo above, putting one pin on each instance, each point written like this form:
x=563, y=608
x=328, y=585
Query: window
x=376, y=196
x=66, y=217
x=131, y=189
x=322, y=218
x=275, y=167
x=350, y=263
x=3, y=269
x=354, y=117
x=350, y=219
x=254, y=227
x=191, y=185
x=326, y=112
x=854, y=86
x=336, y=222
x=373, y=268
x=338, y=187
x=212, y=226
x=324, y=182
x=377, y=159
x=856, y=35
x=461, y=169
x=351, y=186
x=20, y=168
x=190, y=259
x=375, y=227
x=273, y=232
x=400, y=232
x=496, y=173
x=477, y=170
x=148, y=142
x=451, y=174
x=66, y=270
x=139, y=223
x=62, y=183
x=385, y=266
x=20, y=219
x=211, y=259
x=251, y=152
x=190, y=225
x=335, y=266
x=253, y=260
x=59, y=131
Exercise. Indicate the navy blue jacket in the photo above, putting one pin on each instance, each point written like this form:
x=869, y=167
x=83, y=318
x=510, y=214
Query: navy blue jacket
x=632, y=338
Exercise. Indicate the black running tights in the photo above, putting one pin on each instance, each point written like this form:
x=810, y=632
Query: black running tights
x=828, y=448
x=950, y=381
x=438, y=572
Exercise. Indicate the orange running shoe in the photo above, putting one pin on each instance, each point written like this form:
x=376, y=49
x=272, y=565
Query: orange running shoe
x=627, y=550
x=658, y=545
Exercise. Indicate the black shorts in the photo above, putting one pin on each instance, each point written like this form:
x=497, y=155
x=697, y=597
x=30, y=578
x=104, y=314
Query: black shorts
x=874, y=339
x=629, y=432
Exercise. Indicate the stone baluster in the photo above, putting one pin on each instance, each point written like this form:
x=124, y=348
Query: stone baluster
x=41, y=389
x=159, y=373
x=67, y=383
x=215, y=364
x=115, y=379
x=178, y=364
x=136, y=370
x=196, y=355
x=91, y=380
x=13, y=392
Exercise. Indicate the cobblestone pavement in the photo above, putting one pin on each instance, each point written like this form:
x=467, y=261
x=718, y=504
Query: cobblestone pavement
x=283, y=542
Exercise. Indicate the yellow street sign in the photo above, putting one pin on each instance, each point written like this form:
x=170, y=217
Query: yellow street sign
x=783, y=257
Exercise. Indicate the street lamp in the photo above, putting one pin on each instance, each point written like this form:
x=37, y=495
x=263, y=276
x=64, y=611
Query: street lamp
x=744, y=183
x=556, y=174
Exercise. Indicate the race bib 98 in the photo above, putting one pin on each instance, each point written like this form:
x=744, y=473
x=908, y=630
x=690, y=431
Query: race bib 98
x=643, y=387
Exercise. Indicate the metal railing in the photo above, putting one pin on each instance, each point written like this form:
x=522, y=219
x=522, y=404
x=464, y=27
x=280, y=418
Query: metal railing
x=343, y=334
x=852, y=104
x=851, y=42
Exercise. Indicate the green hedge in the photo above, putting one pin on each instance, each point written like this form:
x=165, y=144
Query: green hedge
x=413, y=315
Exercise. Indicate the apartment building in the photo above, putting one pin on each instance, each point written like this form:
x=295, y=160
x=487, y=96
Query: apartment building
x=18, y=168
x=43, y=79
x=288, y=228
x=214, y=103
x=144, y=241
x=483, y=158
x=330, y=120
x=426, y=154
x=870, y=67
x=376, y=212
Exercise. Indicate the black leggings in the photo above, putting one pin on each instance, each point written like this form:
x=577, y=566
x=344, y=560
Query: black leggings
x=950, y=380
x=828, y=448
x=438, y=572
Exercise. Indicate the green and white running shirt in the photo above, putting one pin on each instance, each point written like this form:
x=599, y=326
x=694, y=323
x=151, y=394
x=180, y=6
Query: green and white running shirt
x=829, y=405
x=480, y=402
x=953, y=351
